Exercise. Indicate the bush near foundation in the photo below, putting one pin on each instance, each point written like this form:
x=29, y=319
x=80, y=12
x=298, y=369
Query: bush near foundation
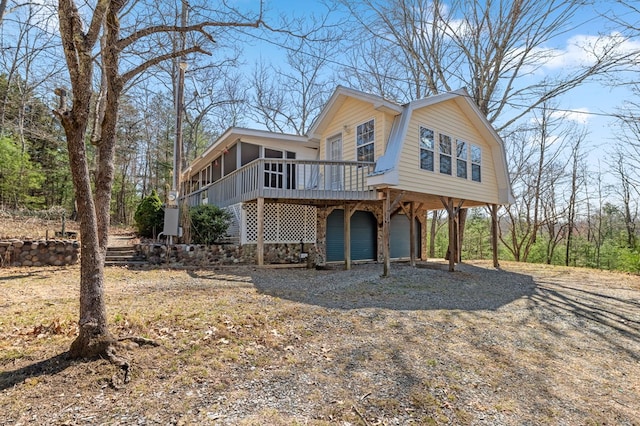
x=208, y=224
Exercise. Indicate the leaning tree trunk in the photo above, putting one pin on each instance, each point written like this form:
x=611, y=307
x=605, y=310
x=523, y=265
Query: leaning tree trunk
x=94, y=338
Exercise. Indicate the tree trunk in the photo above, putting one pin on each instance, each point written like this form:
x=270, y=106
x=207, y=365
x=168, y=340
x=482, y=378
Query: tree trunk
x=94, y=336
x=432, y=235
x=462, y=220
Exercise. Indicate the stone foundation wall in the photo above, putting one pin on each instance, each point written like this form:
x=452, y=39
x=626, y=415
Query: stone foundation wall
x=225, y=254
x=39, y=253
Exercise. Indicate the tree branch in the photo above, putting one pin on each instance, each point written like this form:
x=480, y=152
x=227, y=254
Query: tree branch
x=96, y=22
x=124, y=78
x=200, y=27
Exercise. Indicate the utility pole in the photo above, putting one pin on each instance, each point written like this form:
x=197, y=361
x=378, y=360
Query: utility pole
x=182, y=67
x=172, y=212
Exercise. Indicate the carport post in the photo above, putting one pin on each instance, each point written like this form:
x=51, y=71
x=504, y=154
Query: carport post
x=412, y=231
x=347, y=236
x=493, y=208
x=452, y=234
x=260, y=230
x=386, y=230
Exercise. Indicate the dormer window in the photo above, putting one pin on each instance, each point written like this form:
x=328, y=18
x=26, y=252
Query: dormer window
x=365, y=136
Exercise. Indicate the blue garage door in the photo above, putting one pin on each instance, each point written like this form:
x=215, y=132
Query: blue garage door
x=400, y=236
x=363, y=236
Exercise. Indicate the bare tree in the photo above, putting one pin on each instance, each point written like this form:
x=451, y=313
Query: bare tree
x=288, y=99
x=232, y=111
x=26, y=49
x=628, y=192
x=486, y=47
x=3, y=8
x=80, y=43
x=552, y=212
x=155, y=157
x=372, y=67
x=596, y=225
x=576, y=160
x=628, y=20
x=215, y=97
x=534, y=155
x=435, y=225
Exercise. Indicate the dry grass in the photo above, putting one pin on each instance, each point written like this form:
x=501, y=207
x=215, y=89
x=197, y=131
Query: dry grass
x=254, y=347
x=32, y=228
x=35, y=228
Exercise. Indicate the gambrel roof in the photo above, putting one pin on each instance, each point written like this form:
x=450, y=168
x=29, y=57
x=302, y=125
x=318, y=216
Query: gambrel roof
x=386, y=170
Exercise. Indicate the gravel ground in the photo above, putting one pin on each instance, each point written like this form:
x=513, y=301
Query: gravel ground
x=526, y=344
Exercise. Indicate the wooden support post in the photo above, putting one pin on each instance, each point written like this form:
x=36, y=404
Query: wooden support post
x=386, y=231
x=452, y=242
x=412, y=231
x=456, y=235
x=462, y=220
x=260, y=231
x=347, y=237
x=494, y=234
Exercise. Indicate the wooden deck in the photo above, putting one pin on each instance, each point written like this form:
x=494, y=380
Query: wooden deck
x=291, y=180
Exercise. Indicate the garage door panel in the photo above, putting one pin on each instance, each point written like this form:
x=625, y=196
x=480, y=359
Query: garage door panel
x=363, y=236
x=400, y=236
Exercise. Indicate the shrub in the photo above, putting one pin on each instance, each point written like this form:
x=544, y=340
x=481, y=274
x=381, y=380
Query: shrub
x=149, y=215
x=208, y=224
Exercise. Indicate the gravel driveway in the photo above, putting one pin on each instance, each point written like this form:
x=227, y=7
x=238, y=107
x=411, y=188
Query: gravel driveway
x=523, y=345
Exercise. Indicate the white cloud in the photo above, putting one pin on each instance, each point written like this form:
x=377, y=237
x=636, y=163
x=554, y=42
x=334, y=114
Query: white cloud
x=583, y=50
x=579, y=115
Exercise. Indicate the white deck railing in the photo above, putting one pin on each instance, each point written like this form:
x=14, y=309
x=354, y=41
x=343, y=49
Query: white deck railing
x=289, y=179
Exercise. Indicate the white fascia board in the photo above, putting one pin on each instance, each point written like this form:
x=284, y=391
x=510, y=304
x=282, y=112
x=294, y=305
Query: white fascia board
x=388, y=178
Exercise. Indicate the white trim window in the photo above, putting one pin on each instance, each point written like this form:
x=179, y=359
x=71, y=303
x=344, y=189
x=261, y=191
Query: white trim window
x=461, y=159
x=445, y=154
x=427, y=146
x=365, y=137
x=476, y=163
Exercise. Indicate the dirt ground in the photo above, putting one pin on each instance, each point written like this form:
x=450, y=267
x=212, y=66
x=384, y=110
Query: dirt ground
x=527, y=344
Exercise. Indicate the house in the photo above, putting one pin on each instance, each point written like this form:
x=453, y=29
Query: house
x=359, y=184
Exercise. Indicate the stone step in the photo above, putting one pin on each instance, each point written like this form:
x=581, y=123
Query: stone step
x=121, y=248
x=124, y=256
x=122, y=253
x=127, y=263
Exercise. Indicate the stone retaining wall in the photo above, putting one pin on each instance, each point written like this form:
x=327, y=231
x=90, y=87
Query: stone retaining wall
x=38, y=253
x=225, y=254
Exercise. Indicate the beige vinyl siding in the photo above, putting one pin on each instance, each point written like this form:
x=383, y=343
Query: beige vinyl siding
x=446, y=118
x=345, y=122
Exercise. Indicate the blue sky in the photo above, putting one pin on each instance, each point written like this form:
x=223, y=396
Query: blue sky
x=589, y=105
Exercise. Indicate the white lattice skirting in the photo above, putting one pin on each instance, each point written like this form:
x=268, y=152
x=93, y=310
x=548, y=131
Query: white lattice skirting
x=283, y=223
